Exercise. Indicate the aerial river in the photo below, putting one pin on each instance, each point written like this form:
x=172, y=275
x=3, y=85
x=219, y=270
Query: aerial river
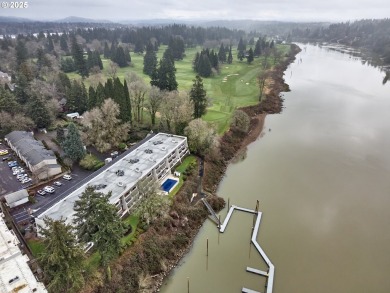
x=321, y=171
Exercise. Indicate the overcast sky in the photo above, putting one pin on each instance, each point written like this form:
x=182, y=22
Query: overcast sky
x=295, y=10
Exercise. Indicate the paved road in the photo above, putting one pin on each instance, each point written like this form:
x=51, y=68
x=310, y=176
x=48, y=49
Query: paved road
x=20, y=214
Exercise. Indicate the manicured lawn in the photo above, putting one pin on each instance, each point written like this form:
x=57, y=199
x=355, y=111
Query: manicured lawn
x=186, y=162
x=133, y=222
x=182, y=168
x=235, y=86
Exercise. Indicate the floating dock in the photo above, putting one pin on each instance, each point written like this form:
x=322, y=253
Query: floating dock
x=271, y=268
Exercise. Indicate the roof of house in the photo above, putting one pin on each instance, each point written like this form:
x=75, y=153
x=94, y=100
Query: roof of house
x=16, y=196
x=32, y=150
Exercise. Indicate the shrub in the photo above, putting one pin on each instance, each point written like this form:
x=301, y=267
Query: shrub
x=91, y=162
x=122, y=146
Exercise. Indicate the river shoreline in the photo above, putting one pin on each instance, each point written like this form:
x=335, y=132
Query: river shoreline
x=155, y=254
x=271, y=104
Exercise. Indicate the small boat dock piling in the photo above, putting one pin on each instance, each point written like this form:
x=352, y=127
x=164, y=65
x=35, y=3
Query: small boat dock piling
x=257, y=219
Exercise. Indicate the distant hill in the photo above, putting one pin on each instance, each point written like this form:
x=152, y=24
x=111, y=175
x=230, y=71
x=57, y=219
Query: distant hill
x=76, y=19
x=9, y=19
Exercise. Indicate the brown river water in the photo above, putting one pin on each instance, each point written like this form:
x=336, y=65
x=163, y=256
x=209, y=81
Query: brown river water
x=321, y=171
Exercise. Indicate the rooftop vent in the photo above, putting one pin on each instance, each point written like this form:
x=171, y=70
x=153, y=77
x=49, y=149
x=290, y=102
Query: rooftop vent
x=99, y=186
x=120, y=173
x=170, y=135
x=174, y=141
x=120, y=184
x=148, y=151
x=13, y=280
x=163, y=148
x=133, y=161
x=157, y=142
x=136, y=169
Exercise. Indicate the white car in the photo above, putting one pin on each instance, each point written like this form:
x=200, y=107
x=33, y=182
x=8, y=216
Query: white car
x=57, y=183
x=16, y=172
x=21, y=176
x=67, y=177
x=49, y=189
x=25, y=180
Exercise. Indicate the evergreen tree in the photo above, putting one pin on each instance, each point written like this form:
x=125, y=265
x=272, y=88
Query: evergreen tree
x=77, y=97
x=222, y=54
x=97, y=221
x=92, y=102
x=198, y=97
x=204, y=65
x=109, y=89
x=21, y=52
x=49, y=44
x=195, y=63
x=120, y=99
x=127, y=105
x=37, y=111
x=100, y=95
x=62, y=259
x=64, y=43
x=230, y=56
x=78, y=57
x=150, y=60
x=249, y=58
x=127, y=55
x=164, y=77
x=213, y=57
x=73, y=146
x=257, y=50
x=120, y=57
x=139, y=46
x=241, y=50
x=67, y=65
x=176, y=45
x=106, y=52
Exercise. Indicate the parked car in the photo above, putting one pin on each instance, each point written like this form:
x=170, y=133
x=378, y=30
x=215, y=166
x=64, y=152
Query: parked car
x=49, y=189
x=57, y=183
x=25, y=180
x=12, y=164
x=67, y=177
x=5, y=158
x=41, y=192
x=114, y=154
x=16, y=172
x=3, y=152
x=20, y=176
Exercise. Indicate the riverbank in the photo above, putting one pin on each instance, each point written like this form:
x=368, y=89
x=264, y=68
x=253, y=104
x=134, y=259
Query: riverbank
x=156, y=252
x=233, y=142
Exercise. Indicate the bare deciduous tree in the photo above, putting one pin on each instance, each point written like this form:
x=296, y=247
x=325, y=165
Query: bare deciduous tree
x=153, y=102
x=137, y=91
x=176, y=111
x=202, y=138
x=104, y=129
x=112, y=70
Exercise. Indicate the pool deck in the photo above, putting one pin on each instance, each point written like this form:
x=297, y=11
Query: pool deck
x=271, y=268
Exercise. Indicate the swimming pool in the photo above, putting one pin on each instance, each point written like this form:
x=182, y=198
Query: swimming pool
x=169, y=184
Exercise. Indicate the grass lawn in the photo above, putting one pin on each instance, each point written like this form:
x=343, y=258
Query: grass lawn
x=181, y=168
x=36, y=247
x=235, y=86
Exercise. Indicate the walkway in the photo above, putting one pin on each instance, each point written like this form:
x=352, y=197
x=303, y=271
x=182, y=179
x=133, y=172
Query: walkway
x=271, y=268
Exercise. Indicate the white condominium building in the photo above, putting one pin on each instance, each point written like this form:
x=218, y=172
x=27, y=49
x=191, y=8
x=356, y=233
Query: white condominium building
x=145, y=164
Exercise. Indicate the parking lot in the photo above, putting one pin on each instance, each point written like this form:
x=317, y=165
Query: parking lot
x=21, y=213
x=8, y=182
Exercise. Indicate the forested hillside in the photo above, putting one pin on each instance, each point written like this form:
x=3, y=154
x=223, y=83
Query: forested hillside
x=368, y=34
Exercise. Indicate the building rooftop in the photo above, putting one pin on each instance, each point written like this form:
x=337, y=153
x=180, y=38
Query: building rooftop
x=15, y=273
x=121, y=174
x=30, y=148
